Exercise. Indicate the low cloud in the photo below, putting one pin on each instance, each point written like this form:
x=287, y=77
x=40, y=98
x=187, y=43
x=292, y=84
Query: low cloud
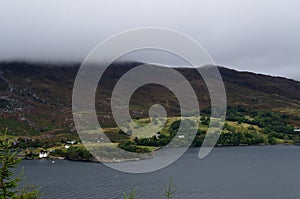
x=253, y=35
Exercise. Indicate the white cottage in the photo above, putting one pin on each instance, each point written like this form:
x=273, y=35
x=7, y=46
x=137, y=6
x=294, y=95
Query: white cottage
x=180, y=136
x=43, y=154
x=297, y=130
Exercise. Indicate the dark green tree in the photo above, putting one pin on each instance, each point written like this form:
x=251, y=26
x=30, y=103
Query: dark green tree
x=8, y=161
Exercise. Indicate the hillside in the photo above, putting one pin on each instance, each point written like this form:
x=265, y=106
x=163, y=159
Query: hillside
x=35, y=99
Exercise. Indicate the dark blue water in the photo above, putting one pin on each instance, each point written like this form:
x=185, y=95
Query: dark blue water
x=228, y=172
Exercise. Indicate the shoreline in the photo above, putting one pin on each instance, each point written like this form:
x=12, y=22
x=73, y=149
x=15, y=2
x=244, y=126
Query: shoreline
x=137, y=159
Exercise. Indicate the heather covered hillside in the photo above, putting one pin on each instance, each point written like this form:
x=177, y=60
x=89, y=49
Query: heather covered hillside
x=35, y=101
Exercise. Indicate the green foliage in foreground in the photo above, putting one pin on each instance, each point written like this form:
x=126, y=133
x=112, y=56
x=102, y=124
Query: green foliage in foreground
x=169, y=191
x=131, y=195
x=8, y=183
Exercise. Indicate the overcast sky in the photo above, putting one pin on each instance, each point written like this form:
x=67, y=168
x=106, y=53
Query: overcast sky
x=253, y=35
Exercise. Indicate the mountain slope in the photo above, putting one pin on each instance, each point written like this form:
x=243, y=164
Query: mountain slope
x=35, y=99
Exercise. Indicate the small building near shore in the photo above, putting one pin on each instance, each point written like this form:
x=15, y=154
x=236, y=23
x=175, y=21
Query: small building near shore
x=180, y=136
x=43, y=154
x=71, y=142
